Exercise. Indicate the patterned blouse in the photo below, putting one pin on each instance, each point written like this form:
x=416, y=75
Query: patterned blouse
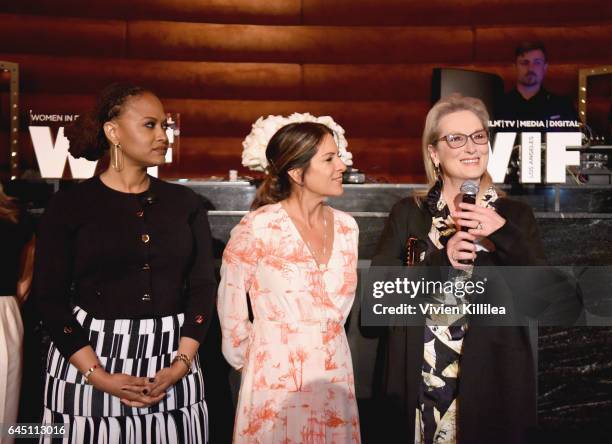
x=436, y=412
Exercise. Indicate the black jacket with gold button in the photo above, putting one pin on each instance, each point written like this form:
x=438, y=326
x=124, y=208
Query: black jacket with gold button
x=497, y=385
x=125, y=256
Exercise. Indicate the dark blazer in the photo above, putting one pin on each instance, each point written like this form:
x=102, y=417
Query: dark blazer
x=123, y=256
x=497, y=389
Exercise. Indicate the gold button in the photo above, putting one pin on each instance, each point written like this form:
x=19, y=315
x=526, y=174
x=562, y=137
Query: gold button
x=199, y=319
x=146, y=297
x=146, y=267
x=140, y=214
x=145, y=238
x=67, y=330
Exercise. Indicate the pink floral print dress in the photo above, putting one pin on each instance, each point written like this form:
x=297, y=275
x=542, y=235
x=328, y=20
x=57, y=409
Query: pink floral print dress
x=297, y=375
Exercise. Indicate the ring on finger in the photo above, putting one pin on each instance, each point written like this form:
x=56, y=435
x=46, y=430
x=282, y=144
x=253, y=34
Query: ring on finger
x=479, y=226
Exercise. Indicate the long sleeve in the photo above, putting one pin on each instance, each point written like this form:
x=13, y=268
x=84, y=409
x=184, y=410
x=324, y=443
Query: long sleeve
x=356, y=241
x=201, y=283
x=518, y=241
x=406, y=219
x=240, y=260
x=14, y=237
x=391, y=249
x=53, y=273
x=543, y=292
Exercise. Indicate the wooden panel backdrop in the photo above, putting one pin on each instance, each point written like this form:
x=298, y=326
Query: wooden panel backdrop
x=223, y=63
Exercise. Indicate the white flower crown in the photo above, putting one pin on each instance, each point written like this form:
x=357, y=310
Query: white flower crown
x=255, y=144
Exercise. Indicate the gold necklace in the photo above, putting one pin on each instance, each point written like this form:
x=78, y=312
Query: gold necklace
x=320, y=264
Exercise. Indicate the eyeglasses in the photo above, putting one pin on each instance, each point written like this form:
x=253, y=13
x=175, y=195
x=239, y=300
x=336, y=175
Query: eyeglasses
x=480, y=137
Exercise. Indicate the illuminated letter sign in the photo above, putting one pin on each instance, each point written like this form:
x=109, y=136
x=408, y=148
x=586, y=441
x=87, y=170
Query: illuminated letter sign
x=557, y=156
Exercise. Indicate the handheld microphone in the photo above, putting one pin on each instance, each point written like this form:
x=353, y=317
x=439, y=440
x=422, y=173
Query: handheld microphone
x=469, y=188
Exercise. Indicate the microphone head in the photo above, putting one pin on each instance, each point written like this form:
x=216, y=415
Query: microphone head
x=470, y=187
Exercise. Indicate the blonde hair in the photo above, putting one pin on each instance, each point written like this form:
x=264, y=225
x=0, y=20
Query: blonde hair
x=8, y=210
x=431, y=133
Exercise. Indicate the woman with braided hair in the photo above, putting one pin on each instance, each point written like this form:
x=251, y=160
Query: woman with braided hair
x=124, y=281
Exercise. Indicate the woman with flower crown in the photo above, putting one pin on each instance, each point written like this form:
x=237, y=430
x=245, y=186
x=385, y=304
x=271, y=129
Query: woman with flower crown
x=295, y=260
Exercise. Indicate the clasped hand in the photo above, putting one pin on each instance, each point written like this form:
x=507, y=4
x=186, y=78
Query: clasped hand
x=135, y=391
x=481, y=222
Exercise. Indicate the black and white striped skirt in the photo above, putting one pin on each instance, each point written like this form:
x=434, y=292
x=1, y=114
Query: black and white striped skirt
x=137, y=347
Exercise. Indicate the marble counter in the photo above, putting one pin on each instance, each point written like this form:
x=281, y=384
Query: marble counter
x=580, y=233
x=381, y=197
x=574, y=364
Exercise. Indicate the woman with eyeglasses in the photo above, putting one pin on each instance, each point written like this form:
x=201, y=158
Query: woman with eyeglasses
x=461, y=382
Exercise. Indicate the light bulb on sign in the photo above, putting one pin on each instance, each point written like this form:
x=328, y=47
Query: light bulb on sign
x=171, y=132
x=170, y=129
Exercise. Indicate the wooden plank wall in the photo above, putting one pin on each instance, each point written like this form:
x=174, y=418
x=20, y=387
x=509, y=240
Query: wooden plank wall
x=223, y=63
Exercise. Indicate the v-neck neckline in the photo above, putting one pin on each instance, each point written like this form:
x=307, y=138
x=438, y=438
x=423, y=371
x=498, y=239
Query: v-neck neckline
x=298, y=235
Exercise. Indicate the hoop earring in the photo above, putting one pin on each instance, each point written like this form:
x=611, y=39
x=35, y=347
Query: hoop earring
x=116, y=157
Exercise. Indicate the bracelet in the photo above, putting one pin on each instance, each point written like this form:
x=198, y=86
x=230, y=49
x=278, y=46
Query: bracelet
x=184, y=359
x=89, y=372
